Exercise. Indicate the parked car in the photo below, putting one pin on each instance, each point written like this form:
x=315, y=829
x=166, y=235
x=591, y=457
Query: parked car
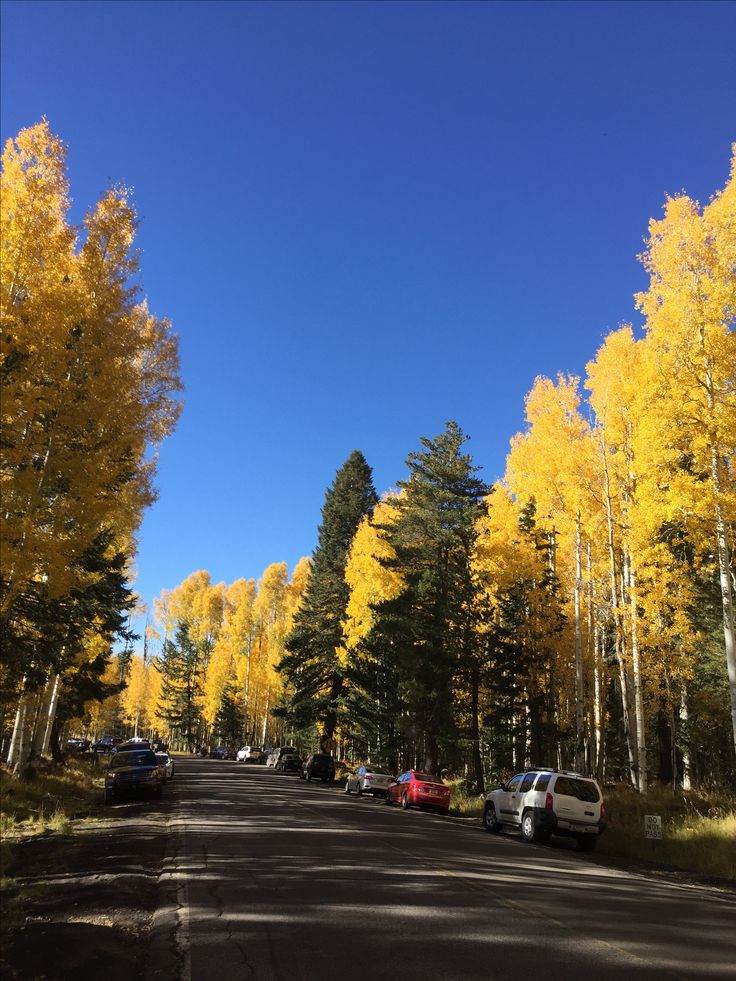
x=543, y=802
x=135, y=743
x=277, y=752
x=414, y=789
x=107, y=744
x=133, y=772
x=289, y=763
x=319, y=766
x=77, y=745
x=369, y=779
x=223, y=753
x=249, y=754
x=165, y=760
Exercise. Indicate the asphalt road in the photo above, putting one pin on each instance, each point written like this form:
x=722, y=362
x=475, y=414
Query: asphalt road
x=272, y=879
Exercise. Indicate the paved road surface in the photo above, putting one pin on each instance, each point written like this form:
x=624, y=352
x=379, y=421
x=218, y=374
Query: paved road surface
x=273, y=879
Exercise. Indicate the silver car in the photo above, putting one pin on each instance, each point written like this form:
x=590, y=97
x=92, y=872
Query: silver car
x=369, y=779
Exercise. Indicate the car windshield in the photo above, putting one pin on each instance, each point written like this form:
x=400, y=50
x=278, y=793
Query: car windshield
x=426, y=778
x=376, y=769
x=584, y=790
x=143, y=757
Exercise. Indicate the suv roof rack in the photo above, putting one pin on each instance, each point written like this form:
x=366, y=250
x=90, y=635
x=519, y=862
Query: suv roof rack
x=553, y=769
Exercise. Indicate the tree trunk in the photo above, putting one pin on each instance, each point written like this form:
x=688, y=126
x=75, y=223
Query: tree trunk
x=50, y=715
x=475, y=729
x=686, y=746
x=579, y=693
x=617, y=619
x=641, y=738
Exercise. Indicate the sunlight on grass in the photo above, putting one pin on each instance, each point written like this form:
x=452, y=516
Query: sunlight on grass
x=51, y=800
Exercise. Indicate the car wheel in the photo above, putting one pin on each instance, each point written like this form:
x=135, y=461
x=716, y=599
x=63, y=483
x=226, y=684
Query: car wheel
x=387, y=799
x=109, y=798
x=347, y=787
x=587, y=843
x=308, y=778
x=490, y=821
x=405, y=802
x=529, y=830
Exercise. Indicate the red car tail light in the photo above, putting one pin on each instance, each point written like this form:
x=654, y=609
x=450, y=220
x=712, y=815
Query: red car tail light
x=603, y=810
x=549, y=802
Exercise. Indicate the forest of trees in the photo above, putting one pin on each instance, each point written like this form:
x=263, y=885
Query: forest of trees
x=90, y=385
x=578, y=612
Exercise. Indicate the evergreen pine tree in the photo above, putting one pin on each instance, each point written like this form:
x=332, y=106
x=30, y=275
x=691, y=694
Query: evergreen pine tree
x=178, y=665
x=432, y=625
x=313, y=664
x=228, y=721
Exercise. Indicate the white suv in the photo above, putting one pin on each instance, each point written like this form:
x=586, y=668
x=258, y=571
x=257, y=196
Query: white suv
x=542, y=802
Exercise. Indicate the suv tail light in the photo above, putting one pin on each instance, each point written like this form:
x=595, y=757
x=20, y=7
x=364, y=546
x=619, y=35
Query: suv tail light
x=368, y=778
x=549, y=802
x=603, y=810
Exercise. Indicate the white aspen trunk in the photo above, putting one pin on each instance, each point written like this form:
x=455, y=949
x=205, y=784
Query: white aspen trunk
x=724, y=569
x=686, y=748
x=246, y=700
x=641, y=739
x=617, y=620
x=18, y=728
x=51, y=716
x=265, y=719
x=579, y=693
x=600, y=747
x=45, y=698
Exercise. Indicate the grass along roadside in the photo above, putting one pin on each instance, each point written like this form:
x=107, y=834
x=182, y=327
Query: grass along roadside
x=698, y=827
x=50, y=800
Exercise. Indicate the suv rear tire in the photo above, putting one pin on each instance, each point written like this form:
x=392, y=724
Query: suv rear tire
x=490, y=821
x=529, y=829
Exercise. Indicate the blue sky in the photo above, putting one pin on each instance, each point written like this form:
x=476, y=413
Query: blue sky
x=367, y=219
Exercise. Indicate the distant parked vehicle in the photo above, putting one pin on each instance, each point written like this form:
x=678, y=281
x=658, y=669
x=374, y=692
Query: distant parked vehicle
x=249, y=754
x=289, y=763
x=414, y=789
x=107, y=744
x=543, y=801
x=369, y=779
x=167, y=763
x=135, y=743
x=133, y=772
x=319, y=766
x=277, y=752
x=77, y=746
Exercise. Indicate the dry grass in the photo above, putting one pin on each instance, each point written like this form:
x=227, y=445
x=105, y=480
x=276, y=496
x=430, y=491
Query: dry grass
x=698, y=829
x=49, y=801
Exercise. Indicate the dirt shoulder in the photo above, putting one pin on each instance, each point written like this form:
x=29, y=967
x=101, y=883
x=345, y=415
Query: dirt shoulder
x=80, y=905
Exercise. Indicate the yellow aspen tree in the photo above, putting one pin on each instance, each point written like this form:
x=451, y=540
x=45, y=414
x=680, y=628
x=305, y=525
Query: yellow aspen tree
x=369, y=579
x=690, y=309
x=614, y=380
x=270, y=613
x=134, y=696
x=552, y=464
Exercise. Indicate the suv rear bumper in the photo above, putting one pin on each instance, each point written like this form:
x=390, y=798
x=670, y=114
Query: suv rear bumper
x=546, y=820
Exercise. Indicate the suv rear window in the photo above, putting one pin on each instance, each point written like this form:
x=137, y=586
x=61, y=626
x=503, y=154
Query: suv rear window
x=584, y=790
x=144, y=757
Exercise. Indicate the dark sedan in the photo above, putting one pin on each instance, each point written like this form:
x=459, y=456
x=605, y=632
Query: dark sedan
x=133, y=772
x=290, y=763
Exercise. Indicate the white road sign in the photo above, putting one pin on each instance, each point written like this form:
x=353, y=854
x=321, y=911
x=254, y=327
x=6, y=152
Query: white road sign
x=652, y=826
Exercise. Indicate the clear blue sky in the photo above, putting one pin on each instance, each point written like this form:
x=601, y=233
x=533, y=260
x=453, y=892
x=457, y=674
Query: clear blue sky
x=366, y=219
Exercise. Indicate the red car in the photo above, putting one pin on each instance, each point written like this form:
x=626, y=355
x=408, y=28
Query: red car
x=414, y=789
